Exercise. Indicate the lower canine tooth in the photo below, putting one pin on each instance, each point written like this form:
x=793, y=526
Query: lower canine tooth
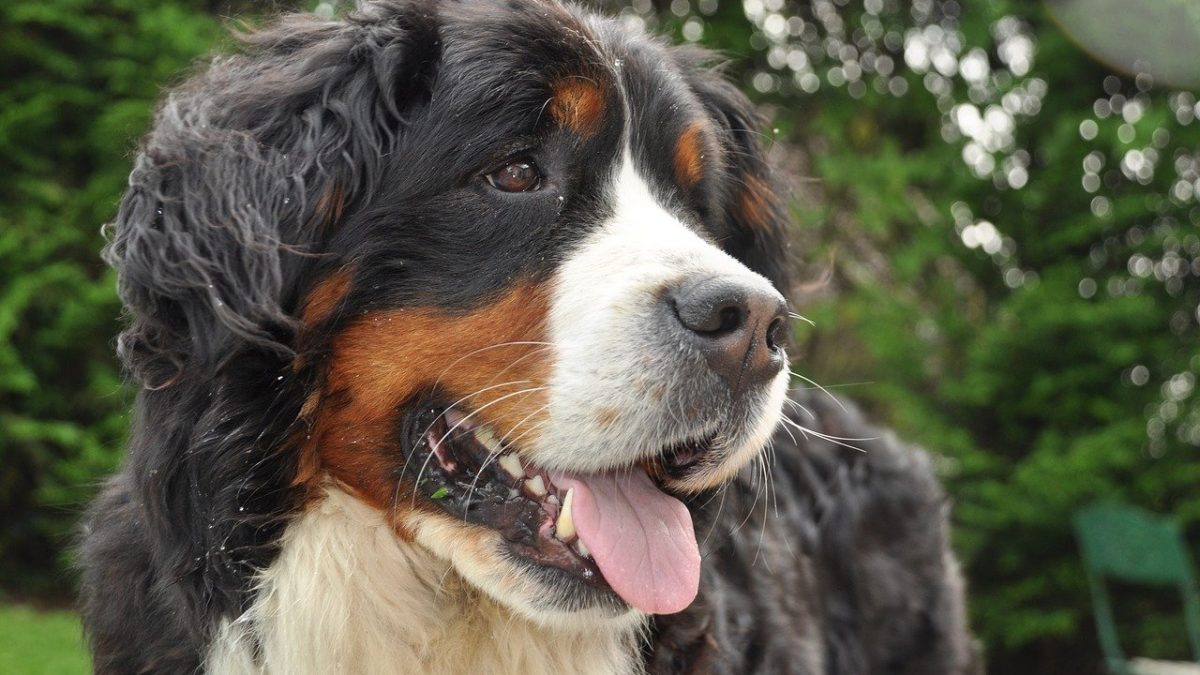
x=582, y=548
x=537, y=486
x=564, y=527
x=512, y=466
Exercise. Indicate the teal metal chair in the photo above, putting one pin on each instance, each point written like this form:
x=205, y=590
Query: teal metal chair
x=1136, y=546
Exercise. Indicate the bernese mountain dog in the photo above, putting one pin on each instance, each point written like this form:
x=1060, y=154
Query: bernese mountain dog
x=459, y=341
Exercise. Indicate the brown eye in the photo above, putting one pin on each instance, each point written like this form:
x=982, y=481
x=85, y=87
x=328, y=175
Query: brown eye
x=519, y=176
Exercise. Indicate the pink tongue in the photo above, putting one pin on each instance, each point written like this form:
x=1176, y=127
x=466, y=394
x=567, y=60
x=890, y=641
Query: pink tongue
x=641, y=538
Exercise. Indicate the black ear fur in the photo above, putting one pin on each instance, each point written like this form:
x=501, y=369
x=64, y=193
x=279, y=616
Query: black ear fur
x=220, y=212
x=222, y=225
x=756, y=220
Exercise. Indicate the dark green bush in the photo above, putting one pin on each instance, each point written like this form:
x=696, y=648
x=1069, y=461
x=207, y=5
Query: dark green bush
x=80, y=79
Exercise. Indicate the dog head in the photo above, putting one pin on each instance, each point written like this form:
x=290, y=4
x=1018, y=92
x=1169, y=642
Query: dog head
x=506, y=271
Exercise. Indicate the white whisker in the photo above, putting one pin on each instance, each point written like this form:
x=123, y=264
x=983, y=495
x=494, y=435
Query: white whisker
x=494, y=457
x=487, y=405
x=443, y=413
x=837, y=386
x=837, y=440
x=720, y=507
x=805, y=319
x=801, y=408
x=749, y=512
x=425, y=464
x=514, y=343
x=762, y=532
x=788, y=431
x=823, y=389
x=532, y=352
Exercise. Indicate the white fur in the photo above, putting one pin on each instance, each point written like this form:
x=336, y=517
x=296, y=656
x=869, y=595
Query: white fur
x=347, y=595
x=477, y=556
x=611, y=351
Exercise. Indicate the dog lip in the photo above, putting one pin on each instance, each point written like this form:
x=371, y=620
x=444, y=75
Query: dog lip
x=460, y=466
x=681, y=458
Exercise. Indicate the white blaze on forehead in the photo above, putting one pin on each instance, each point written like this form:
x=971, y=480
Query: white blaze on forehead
x=643, y=238
x=610, y=326
x=638, y=251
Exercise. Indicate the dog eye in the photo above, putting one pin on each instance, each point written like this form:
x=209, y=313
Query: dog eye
x=519, y=176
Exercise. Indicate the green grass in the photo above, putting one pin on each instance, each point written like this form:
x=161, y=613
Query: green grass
x=33, y=642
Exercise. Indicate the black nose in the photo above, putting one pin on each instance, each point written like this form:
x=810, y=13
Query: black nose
x=738, y=325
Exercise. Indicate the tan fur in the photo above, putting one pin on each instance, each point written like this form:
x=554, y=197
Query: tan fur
x=756, y=202
x=347, y=596
x=578, y=104
x=327, y=295
x=689, y=154
x=493, y=358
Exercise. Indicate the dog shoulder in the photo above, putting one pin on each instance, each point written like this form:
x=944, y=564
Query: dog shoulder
x=133, y=620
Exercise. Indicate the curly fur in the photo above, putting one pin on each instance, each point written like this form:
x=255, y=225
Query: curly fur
x=273, y=169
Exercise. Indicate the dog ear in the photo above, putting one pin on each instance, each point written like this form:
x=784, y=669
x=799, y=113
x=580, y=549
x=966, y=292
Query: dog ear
x=755, y=219
x=246, y=167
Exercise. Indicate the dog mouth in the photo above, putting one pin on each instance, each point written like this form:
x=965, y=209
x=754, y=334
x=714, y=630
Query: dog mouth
x=615, y=533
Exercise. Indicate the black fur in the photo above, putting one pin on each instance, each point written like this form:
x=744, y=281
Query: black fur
x=839, y=564
x=215, y=241
x=354, y=144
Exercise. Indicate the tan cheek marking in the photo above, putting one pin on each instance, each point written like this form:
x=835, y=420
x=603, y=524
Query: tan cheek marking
x=756, y=203
x=326, y=296
x=383, y=359
x=577, y=104
x=689, y=155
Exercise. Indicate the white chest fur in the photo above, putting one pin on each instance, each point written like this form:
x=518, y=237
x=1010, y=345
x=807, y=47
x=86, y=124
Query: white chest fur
x=346, y=595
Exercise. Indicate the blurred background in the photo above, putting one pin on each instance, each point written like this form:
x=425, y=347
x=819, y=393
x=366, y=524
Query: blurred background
x=997, y=237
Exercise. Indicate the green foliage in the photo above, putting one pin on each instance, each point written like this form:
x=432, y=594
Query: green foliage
x=80, y=83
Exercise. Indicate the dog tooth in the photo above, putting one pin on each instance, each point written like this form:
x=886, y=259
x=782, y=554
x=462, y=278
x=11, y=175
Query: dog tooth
x=553, y=499
x=512, y=465
x=537, y=486
x=582, y=548
x=487, y=438
x=564, y=527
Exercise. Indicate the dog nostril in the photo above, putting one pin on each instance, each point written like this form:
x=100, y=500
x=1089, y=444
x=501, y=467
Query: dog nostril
x=738, y=324
x=729, y=318
x=708, y=314
x=776, y=333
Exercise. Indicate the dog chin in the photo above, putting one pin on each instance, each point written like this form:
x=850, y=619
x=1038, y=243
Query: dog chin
x=745, y=447
x=546, y=596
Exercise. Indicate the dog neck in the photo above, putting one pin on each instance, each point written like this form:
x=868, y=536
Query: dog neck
x=347, y=595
